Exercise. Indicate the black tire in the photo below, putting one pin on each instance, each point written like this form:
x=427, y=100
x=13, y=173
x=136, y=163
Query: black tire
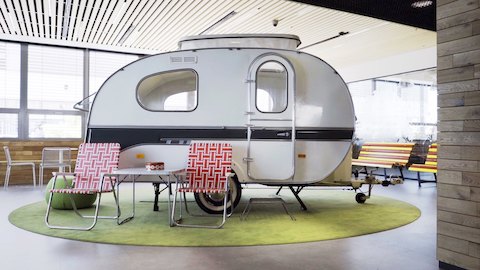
x=360, y=198
x=213, y=203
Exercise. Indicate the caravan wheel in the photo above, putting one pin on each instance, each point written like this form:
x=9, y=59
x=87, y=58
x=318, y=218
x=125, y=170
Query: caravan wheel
x=212, y=203
x=360, y=198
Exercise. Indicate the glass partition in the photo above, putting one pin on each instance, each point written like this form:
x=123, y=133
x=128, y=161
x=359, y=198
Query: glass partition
x=396, y=108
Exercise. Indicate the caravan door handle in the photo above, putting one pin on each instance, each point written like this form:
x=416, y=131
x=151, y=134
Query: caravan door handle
x=283, y=134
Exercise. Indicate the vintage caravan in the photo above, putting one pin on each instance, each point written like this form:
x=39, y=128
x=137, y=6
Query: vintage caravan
x=288, y=114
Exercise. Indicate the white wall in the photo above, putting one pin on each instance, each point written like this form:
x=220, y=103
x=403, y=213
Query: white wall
x=406, y=62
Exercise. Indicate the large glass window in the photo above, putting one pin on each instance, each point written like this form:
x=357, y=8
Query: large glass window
x=8, y=125
x=55, y=84
x=55, y=77
x=9, y=75
x=54, y=126
x=104, y=64
x=169, y=91
x=9, y=89
x=36, y=100
x=271, y=92
x=396, y=108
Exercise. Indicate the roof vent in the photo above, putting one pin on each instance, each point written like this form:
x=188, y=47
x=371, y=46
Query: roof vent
x=190, y=59
x=273, y=41
x=175, y=59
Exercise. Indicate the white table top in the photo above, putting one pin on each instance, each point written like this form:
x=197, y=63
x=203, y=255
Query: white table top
x=144, y=171
x=59, y=148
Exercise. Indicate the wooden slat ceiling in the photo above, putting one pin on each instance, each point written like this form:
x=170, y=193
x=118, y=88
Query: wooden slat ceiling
x=156, y=26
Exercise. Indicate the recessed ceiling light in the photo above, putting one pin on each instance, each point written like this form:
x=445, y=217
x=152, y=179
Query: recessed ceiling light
x=422, y=4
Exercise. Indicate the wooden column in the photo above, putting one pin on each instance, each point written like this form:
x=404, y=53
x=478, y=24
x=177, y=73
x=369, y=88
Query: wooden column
x=458, y=77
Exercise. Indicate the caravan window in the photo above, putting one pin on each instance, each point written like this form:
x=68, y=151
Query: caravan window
x=271, y=92
x=169, y=91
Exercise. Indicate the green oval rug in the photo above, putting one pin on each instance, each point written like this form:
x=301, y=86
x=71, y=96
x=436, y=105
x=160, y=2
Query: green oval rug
x=331, y=215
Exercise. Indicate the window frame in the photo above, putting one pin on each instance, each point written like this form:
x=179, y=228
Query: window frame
x=165, y=72
x=286, y=87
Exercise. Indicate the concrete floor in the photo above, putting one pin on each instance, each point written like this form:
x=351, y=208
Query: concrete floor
x=408, y=247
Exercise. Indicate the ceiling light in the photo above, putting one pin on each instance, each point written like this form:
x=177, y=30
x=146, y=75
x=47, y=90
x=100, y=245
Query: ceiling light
x=342, y=33
x=126, y=35
x=369, y=29
x=13, y=23
x=66, y=18
x=422, y=3
x=119, y=13
x=217, y=23
x=305, y=10
x=51, y=8
x=243, y=17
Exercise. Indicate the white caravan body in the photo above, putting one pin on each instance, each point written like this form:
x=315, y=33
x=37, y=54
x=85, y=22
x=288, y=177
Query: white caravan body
x=288, y=115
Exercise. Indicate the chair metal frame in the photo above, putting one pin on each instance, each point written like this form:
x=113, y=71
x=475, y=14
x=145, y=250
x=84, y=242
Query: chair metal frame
x=59, y=163
x=183, y=187
x=11, y=163
x=99, y=191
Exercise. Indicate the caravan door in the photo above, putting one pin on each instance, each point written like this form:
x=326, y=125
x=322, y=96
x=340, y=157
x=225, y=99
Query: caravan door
x=271, y=119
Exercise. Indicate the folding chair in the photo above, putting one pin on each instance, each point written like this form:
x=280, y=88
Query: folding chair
x=208, y=171
x=94, y=160
x=11, y=163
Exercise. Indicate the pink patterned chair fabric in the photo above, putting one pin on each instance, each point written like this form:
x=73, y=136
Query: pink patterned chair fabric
x=93, y=160
x=209, y=165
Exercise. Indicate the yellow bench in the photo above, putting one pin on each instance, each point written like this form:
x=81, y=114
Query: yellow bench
x=383, y=155
x=430, y=165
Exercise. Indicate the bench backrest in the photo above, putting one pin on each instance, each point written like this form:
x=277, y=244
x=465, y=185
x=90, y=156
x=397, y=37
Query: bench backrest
x=432, y=155
x=396, y=153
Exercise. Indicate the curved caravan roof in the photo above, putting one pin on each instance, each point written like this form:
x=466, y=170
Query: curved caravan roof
x=322, y=99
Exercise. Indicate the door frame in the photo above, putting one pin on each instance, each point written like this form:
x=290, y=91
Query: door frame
x=252, y=110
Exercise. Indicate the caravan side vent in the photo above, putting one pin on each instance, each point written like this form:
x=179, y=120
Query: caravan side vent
x=176, y=59
x=186, y=59
x=190, y=59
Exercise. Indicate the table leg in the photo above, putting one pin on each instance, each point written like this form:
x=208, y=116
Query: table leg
x=133, y=202
x=170, y=221
x=156, y=186
x=168, y=183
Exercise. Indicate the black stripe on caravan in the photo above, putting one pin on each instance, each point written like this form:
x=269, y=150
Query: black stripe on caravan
x=132, y=136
